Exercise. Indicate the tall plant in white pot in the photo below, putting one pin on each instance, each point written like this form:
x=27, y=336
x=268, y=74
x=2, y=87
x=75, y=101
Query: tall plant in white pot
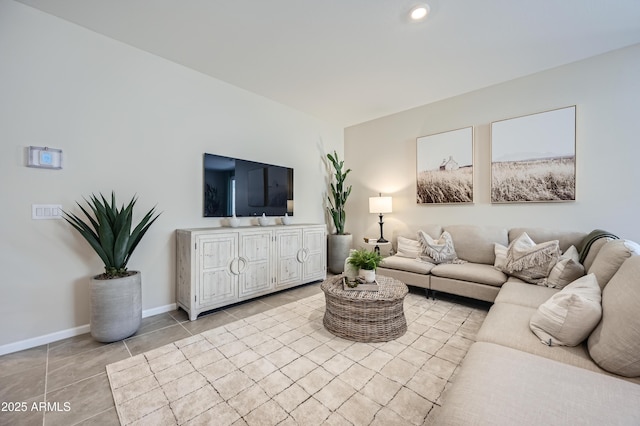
x=340, y=242
x=116, y=294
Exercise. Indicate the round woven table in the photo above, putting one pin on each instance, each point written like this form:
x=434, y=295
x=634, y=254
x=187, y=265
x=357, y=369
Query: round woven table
x=365, y=316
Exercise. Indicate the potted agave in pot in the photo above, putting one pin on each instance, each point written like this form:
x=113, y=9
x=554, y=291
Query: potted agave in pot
x=116, y=294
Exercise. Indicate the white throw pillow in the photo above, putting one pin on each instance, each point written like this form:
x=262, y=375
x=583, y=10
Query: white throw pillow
x=529, y=261
x=440, y=250
x=567, y=270
x=501, y=257
x=570, y=315
x=409, y=248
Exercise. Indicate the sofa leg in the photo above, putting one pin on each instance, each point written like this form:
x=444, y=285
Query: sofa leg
x=433, y=294
x=426, y=292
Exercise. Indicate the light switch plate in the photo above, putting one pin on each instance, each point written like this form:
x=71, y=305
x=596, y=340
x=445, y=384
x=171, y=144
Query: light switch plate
x=46, y=211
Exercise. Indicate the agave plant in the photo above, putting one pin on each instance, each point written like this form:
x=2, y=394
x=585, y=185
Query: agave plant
x=339, y=193
x=109, y=232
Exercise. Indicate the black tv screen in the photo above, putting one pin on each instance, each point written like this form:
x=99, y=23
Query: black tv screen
x=246, y=188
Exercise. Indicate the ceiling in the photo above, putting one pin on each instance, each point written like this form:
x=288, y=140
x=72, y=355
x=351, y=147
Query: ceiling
x=350, y=61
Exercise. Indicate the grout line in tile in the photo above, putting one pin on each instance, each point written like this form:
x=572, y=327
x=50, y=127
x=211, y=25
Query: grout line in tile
x=46, y=381
x=243, y=317
x=127, y=348
x=185, y=329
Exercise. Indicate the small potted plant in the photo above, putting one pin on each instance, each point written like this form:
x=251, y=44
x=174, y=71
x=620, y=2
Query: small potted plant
x=367, y=262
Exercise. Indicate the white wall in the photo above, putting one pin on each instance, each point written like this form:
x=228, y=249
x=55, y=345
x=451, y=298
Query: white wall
x=605, y=90
x=127, y=121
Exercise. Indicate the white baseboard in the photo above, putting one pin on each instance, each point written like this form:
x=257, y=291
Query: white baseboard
x=43, y=340
x=70, y=332
x=159, y=310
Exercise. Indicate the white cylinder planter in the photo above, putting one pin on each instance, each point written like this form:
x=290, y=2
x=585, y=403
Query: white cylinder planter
x=116, y=307
x=339, y=246
x=369, y=275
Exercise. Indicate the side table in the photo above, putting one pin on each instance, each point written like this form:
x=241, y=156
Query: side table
x=365, y=316
x=376, y=246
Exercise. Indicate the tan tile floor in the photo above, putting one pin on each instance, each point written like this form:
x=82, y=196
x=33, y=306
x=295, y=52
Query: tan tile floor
x=72, y=371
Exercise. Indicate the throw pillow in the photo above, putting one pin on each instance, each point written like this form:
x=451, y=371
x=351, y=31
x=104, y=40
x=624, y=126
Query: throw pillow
x=501, y=257
x=440, y=250
x=567, y=270
x=569, y=316
x=408, y=248
x=529, y=261
x=610, y=257
x=615, y=343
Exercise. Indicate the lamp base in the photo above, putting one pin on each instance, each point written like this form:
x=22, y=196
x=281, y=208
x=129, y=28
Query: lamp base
x=381, y=239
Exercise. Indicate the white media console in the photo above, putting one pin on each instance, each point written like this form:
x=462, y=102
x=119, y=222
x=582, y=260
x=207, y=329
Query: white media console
x=221, y=266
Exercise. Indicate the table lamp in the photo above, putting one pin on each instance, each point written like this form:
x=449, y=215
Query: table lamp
x=380, y=205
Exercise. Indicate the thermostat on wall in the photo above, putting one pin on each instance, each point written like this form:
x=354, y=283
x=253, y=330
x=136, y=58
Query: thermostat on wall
x=44, y=157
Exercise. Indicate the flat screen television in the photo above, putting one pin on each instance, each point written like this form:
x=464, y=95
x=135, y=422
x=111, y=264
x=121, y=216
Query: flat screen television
x=233, y=186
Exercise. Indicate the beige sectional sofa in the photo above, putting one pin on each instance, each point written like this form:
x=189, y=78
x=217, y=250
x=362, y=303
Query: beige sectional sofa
x=509, y=376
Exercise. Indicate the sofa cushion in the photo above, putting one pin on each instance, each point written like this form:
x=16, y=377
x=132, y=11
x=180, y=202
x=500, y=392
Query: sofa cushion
x=476, y=243
x=540, y=235
x=615, y=343
x=566, y=270
x=524, y=294
x=407, y=247
x=475, y=272
x=439, y=250
x=610, y=257
x=499, y=386
x=507, y=324
x=406, y=264
x=530, y=261
x=569, y=316
x=593, y=251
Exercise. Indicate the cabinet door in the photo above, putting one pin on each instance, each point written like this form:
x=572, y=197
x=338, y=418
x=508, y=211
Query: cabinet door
x=218, y=283
x=254, y=263
x=289, y=257
x=314, y=266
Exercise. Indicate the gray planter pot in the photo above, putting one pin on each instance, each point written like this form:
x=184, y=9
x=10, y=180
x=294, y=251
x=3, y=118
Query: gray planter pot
x=116, y=307
x=339, y=246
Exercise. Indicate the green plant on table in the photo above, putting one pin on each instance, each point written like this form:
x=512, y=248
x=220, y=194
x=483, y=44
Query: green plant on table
x=365, y=259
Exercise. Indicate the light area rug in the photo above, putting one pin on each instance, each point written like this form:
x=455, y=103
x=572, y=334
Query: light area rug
x=281, y=367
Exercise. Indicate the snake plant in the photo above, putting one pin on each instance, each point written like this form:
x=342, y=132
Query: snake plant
x=339, y=193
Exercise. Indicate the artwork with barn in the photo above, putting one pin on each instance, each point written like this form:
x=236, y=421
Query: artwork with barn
x=444, y=172
x=533, y=158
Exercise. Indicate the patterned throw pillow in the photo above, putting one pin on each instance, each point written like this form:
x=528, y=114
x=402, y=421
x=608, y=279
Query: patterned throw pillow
x=440, y=250
x=529, y=261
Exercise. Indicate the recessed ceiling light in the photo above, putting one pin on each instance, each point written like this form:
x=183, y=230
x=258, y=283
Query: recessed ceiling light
x=419, y=12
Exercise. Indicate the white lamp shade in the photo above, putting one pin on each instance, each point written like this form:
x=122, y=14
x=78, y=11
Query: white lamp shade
x=380, y=205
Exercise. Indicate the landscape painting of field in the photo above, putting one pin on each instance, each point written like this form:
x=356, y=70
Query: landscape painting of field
x=533, y=158
x=444, y=171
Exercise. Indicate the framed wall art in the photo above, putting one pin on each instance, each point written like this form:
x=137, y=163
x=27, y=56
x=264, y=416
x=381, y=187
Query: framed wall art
x=533, y=158
x=444, y=172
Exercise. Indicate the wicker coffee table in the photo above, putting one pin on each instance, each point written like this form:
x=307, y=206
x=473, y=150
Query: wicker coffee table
x=365, y=316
